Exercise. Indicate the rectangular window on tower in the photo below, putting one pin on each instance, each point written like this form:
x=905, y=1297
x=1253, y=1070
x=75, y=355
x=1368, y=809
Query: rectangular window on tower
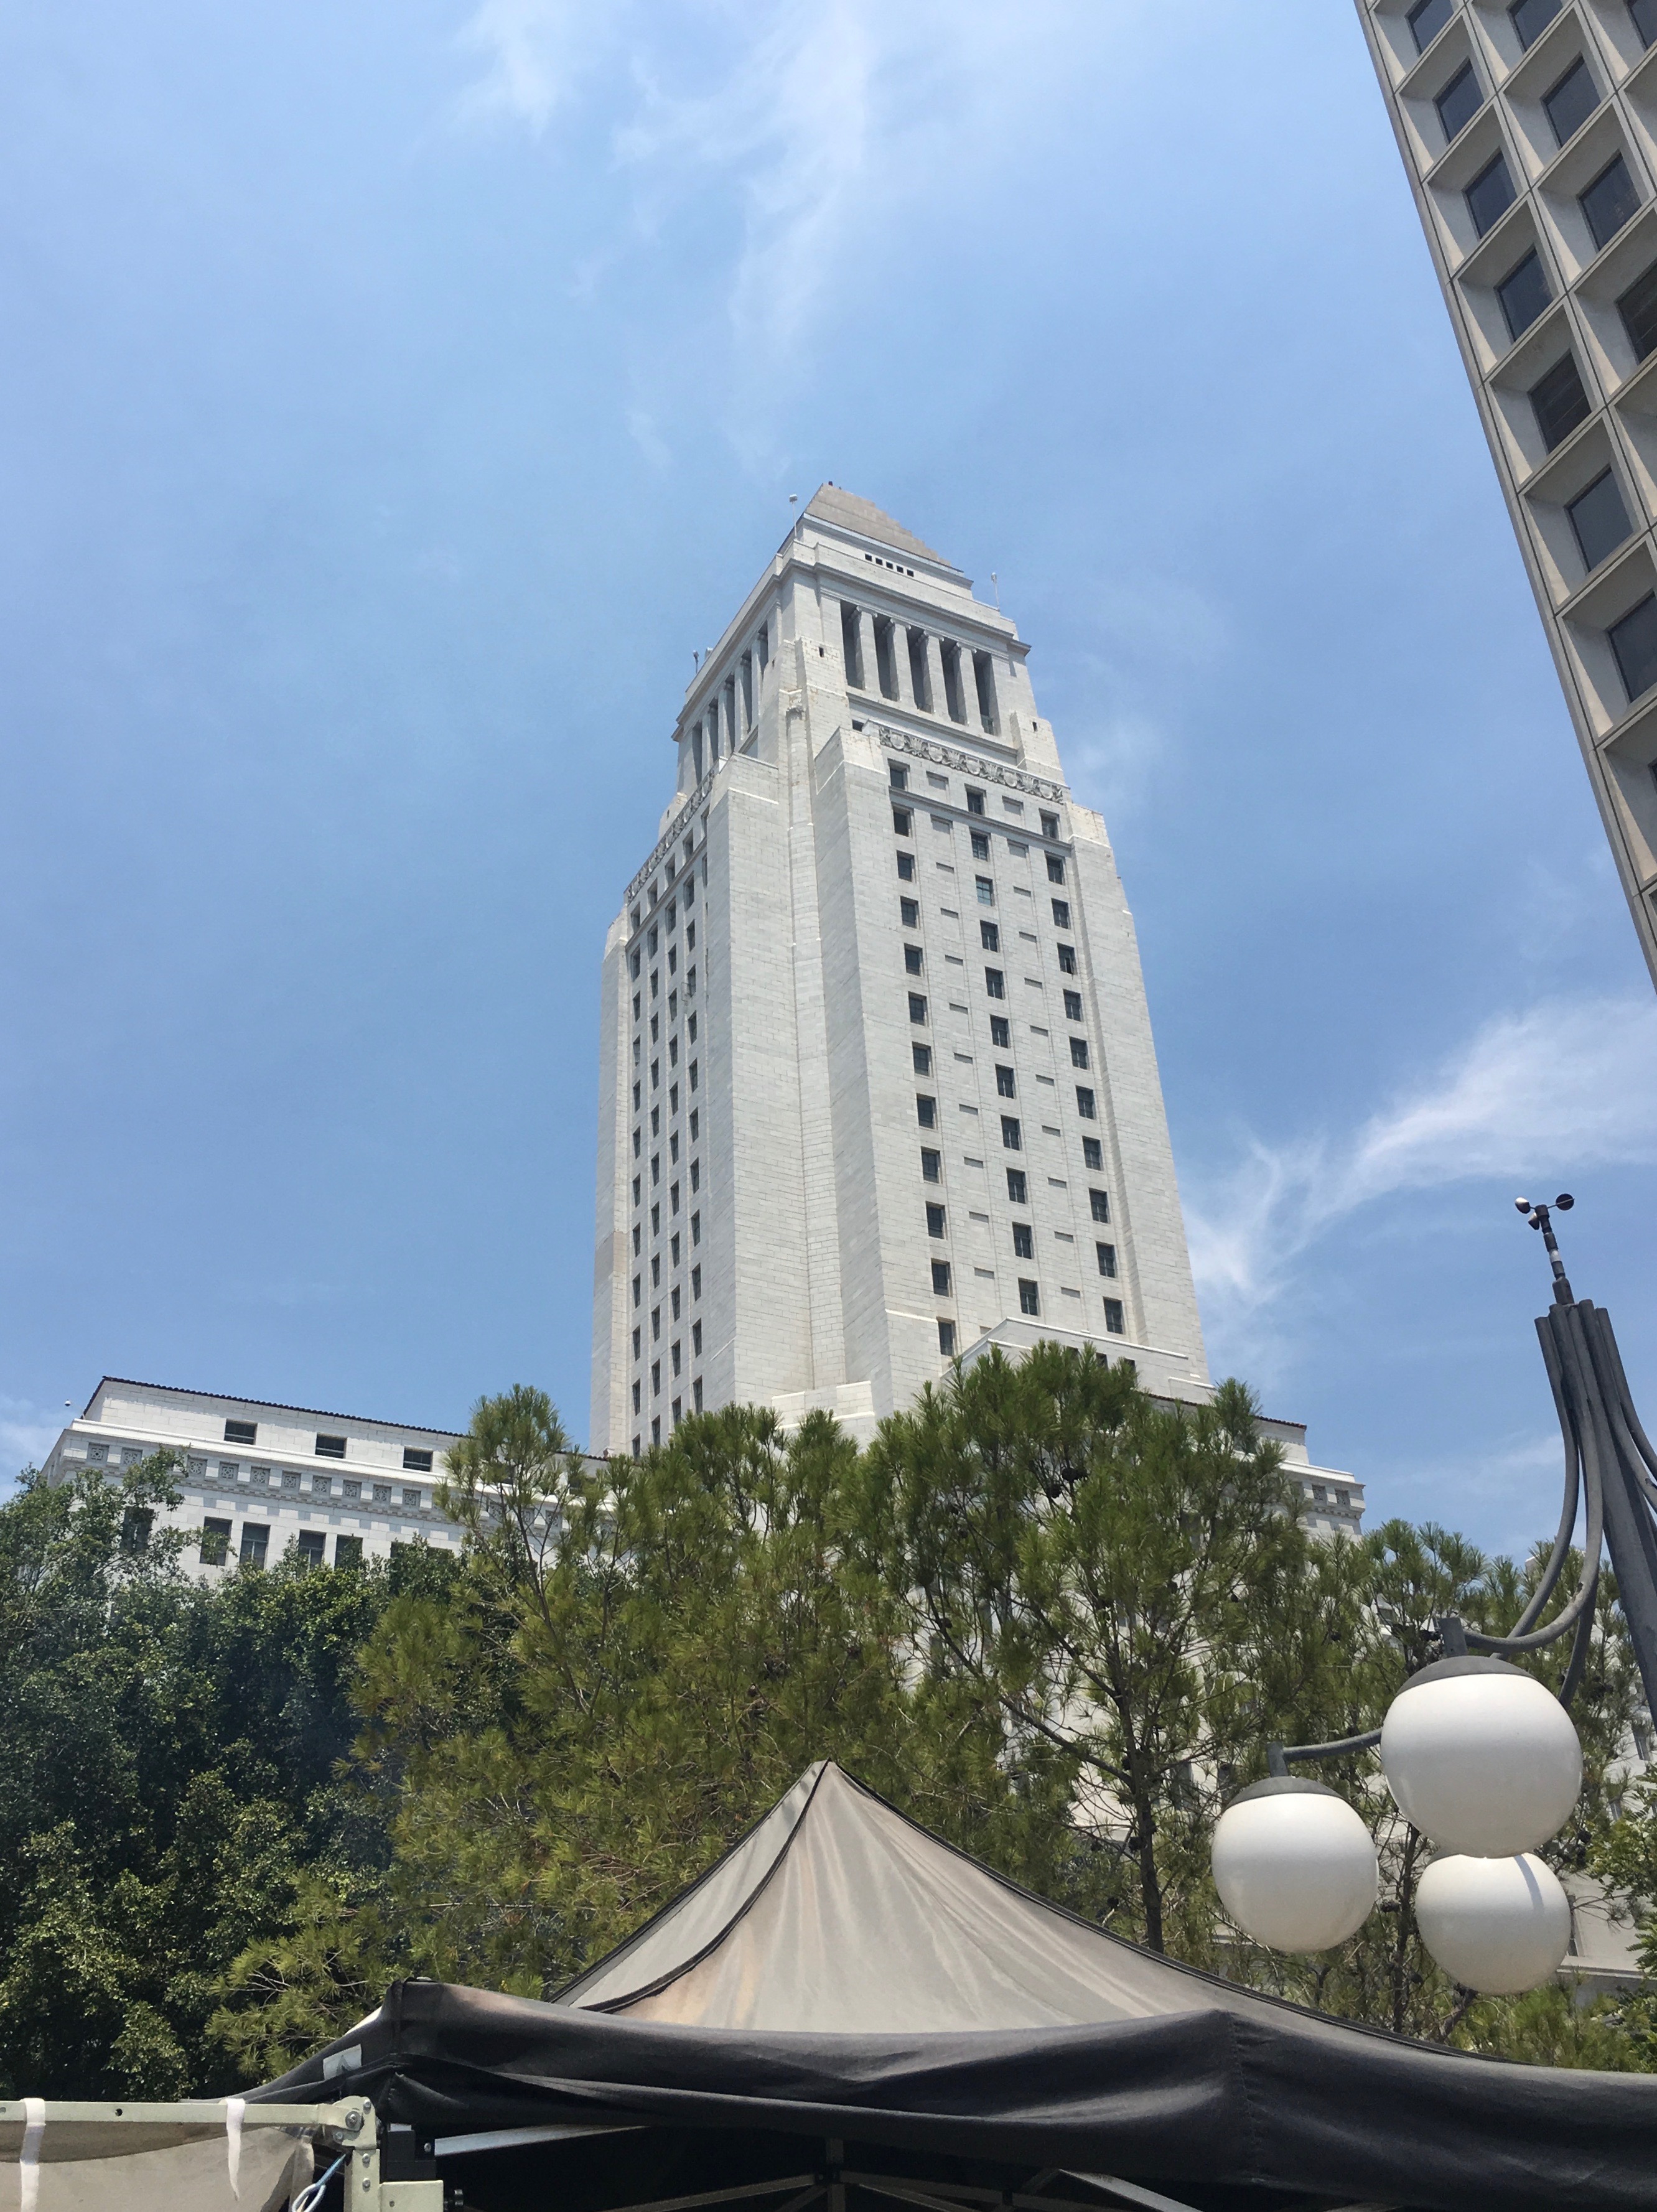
x=1078, y=1052
x=1085, y=1105
x=1023, y=1241
x=1100, y=1202
x=934, y=1220
x=941, y=1279
x=917, y=1007
x=932, y=1166
x=1018, y=1187
x=989, y=935
x=1001, y=1032
x=1029, y=1299
x=1067, y=959
x=1061, y=914
x=906, y=868
x=1006, y=1083
x=1113, y=1316
x=912, y=959
x=1011, y=1136
x=1106, y=1259
x=946, y=1339
x=922, y=1058
x=926, y=1110
x=995, y=983
x=909, y=914
x=1092, y=1152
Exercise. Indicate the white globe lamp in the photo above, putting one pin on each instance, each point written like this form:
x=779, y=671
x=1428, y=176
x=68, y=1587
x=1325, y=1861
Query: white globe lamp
x=1495, y=1925
x=1295, y=1865
x=1481, y=1757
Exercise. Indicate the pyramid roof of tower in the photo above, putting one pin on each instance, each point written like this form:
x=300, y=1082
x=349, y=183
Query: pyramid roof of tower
x=830, y=503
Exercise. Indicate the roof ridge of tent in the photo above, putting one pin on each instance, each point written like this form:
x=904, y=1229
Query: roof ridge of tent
x=664, y=1980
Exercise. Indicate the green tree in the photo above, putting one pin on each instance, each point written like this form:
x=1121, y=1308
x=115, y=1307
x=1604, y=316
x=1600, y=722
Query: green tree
x=1124, y=1581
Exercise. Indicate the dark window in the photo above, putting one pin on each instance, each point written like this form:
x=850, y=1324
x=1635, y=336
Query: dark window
x=909, y=912
x=1523, y=293
x=1459, y=101
x=912, y=959
x=1023, y=1241
x=1599, y=517
x=1055, y=869
x=1113, y=1316
x=1571, y=101
x=903, y=820
x=1489, y=194
x=974, y=801
x=135, y=1525
x=416, y=1460
x=1100, y=1201
x=941, y=1278
x=1084, y=1103
x=1061, y=914
x=312, y=1543
x=989, y=936
x=1018, y=1189
x=1001, y=1032
x=851, y=638
x=1530, y=18
x=1067, y=959
x=1078, y=1052
x=899, y=774
x=985, y=890
x=906, y=868
x=885, y=661
x=348, y=1550
x=1427, y=19
x=216, y=1542
x=995, y=983
x=1106, y=1259
x=1072, y=1006
x=331, y=1446
x=934, y=1221
x=1643, y=14
x=1010, y=1136
x=255, y=1543
x=1634, y=640
x=917, y=1007
x=1609, y=201
x=946, y=1339
x=242, y=1433
x=1004, y=1083
x=980, y=844
x=1029, y=1299
x=1559, y=401
x=931, y=1167
x=1093, y=1153
x=984, y=676
x=1638, y=308
x=922, y=1058
x=926, y=1110
x=1049, y=826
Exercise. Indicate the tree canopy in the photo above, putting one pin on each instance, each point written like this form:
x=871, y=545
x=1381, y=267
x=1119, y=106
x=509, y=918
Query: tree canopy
x=1053, y=1618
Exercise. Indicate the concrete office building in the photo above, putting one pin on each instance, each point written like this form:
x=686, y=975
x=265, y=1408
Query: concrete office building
x=878, y=1084
x=259, y=1480
x=1529, y=133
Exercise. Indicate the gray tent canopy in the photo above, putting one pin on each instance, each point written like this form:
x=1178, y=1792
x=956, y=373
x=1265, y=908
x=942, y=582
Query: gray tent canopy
x=846, y=2006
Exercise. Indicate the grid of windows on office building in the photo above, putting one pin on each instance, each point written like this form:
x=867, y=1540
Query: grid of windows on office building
x=668, y=1189
x=992, y=845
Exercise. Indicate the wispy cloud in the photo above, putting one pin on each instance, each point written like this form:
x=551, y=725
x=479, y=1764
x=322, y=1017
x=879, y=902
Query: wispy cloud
x=1567, y=1085
x=827, y=123
x=534, y=53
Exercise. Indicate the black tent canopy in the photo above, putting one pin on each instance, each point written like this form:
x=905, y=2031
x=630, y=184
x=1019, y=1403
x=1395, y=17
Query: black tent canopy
x=847, y=2014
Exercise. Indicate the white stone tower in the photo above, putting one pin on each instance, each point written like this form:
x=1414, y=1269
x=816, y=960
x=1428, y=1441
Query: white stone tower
x=877, y=1082
x=1528, y=129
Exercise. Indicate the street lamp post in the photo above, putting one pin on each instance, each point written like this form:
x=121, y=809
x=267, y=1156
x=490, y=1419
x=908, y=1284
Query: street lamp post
x=1478, y=1755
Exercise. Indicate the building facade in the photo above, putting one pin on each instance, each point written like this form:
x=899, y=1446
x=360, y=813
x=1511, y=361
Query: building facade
x=259, y=1480
x=877, y=1086
x=1529, y=133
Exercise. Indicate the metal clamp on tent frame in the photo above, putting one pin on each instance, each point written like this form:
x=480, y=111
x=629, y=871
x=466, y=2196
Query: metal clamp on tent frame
x=1610, y=1477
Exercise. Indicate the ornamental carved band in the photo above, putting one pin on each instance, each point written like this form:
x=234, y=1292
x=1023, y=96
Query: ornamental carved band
x=1016, y=779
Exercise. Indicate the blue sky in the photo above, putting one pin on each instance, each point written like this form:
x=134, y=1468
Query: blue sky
x=396, y=394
